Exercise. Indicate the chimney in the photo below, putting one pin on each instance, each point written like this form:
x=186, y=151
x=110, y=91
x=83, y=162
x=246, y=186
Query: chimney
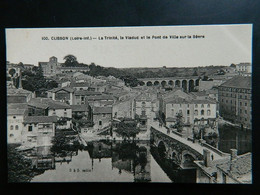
x=233, y=153
x=206, y=156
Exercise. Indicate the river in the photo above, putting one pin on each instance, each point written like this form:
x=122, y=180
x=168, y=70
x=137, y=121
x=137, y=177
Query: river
x=110, y=161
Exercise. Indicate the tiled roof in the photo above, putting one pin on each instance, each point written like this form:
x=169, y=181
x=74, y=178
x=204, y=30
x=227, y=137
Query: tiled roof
x=40, y=119
x=238, y=82
x=88, y=93
x=15, y=91
x=68, y=89
x=143, y=96
x=43, y=63
x=205, y=101
x=79, y=108
x=102, y=110
x=16, y=111
x=17, y=106
x=79, y=85
x=242, y=165
x=180, y=100
x=177, y=100
x=46, y=102
x=100, y=97
x=199, y=93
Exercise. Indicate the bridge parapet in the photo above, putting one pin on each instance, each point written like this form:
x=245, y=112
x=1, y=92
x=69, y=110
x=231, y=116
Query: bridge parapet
x=175, y=149
x=181, y=148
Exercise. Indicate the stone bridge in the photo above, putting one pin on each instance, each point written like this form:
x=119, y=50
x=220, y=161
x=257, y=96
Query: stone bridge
x=180, y=153
x=187, y=83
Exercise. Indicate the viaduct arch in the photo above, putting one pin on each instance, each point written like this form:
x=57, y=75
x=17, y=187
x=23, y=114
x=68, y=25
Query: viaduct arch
x=188, y=84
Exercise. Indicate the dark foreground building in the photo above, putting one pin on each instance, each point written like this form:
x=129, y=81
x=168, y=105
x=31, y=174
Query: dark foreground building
x=235, y=100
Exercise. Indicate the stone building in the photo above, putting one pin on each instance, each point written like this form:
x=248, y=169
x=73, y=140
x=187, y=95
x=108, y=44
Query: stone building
x=65, y=94
x=38, y=130
x=230, y=169
x=244, y=69
x=50, y=68
x=237, y=170
x=235, y=100
x=19, y=95
x=100, y=100
x=102, y=117
x=81, y=96
x=123, y=109
x=190, y=109
x=55, y=108
x=15, y=119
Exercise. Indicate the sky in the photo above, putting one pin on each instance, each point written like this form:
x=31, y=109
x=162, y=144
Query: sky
x=221, y=45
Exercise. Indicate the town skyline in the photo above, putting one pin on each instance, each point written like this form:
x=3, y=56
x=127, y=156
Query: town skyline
x=221, y=44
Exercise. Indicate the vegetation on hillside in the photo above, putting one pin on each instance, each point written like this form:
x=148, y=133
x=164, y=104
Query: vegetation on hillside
x=33, y=80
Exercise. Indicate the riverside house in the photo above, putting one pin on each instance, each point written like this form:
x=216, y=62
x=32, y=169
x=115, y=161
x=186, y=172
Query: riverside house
x=38, y=130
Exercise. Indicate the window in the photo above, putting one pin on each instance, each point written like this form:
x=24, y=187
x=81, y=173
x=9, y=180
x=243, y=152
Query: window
x=103, y=115
x=196, y=112
x=240, y=103
x=180, y=111
x=65, y=114
x=11, y=135
x=202, y=105
x=202, y=112
x=208, y=112
x=14, y=117
x=143, y=112
x=188, y=106
x=196, y=105
x=16, y=127
x=100, y=122
x=208, y=105
x=65, y=109
x=231, y=101
x=172, y=112
x=188, y=112
x=245, y=104
x=245, y=97
x=11, y=127
x=30, y=128
x=180, y=105
x=245, y=111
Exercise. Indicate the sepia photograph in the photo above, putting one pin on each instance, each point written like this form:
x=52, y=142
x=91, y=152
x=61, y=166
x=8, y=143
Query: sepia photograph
x=162, y=104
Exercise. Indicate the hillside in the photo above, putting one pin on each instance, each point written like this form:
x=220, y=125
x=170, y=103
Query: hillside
x=171, y=72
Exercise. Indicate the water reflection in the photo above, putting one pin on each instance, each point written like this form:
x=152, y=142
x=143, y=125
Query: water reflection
x=231, y=137
x=121, y=161
x=101, y=161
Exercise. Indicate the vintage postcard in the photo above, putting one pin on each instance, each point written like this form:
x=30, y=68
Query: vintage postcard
x=130, y=104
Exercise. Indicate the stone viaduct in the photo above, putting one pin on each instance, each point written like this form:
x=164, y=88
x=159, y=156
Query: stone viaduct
x=187, y=83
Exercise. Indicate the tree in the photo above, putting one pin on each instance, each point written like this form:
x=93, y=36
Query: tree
x=127, y=130
x=12, y=72
x=179, y=122
x=233, y=65
x=19, y=168
x=70, y=60
x=195, y=73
